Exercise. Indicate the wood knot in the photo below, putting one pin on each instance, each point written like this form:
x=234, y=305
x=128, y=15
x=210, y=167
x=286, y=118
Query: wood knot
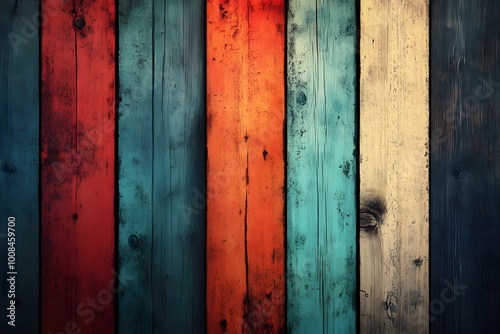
x=371, y=213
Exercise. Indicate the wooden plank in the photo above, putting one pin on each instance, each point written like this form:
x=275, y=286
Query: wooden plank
x=135, y=165
x=465, y=187
x=77, y=176
x=19, y=132
x=179, y=152
x=245, y=226
x=321, y=169
x=162, y=166
x=394, y=119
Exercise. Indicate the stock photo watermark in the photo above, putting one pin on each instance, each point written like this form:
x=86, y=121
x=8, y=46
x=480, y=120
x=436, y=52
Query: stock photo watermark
x=31, y=25
x=88, y=309
x=448, y=295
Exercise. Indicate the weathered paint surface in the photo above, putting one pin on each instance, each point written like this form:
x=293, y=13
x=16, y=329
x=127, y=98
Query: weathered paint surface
x=245, y=227
x=77, y=167
x=162, y=166
x=19, y=132
x=394, y=119
x=465, y=177
x=321, y=170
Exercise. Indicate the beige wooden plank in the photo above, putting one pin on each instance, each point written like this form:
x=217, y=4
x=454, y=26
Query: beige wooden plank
x=394, y=184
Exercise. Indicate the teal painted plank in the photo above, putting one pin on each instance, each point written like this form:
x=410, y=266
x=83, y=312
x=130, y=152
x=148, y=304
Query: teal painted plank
x=135, y=161
x=19, y=131
x=179, y=166
x=162, y=166
x=321, y=168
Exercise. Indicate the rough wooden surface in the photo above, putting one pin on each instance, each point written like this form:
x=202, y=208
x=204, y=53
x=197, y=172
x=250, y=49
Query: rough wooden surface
x=19, y=163
x=245, y=227
x=321, y=169
x=162, y=158
x=465, y=183
x=77, y=173
x=394, y=166
x=135, y=165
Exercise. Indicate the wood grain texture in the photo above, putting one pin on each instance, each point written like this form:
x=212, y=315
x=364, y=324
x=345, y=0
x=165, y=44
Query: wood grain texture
x=19, y=163
x=465, y=178
x=321, y=169
x=162, y=166
x=245, y=226
x=77, y=167
x=394, y=125
x=135, y=165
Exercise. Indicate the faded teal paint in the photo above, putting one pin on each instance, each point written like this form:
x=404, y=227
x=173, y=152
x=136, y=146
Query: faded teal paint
x=321, y=171
x=19, y=158
x=135, y=161
x=162, y=159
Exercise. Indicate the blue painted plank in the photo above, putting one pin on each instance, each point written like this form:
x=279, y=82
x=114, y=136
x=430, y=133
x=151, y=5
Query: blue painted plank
x=19, y=160
x=162, y=166
x=321, y=172
x=465, y=178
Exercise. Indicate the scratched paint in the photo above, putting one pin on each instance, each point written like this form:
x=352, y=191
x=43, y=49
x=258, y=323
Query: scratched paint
x=394, y=206
x=321, y=169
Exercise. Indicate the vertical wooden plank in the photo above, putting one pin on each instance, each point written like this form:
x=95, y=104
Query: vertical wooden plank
x=465, y=187
x=245, y=251
x=135, y=165
x=19, y=132
x=77, y=185
x=394, y=166
x=179, y=151
x=321, y=170
x=162, y=166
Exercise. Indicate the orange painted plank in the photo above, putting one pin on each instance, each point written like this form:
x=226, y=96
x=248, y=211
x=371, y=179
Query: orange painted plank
x=245, y=168
x=77, y=177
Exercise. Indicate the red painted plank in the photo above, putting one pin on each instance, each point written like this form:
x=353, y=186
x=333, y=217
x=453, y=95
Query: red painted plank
x=77, y=179
x=245, y=227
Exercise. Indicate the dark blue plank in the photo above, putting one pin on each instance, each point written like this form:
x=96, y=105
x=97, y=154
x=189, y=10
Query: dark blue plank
x=19, y=130
x=465, y=173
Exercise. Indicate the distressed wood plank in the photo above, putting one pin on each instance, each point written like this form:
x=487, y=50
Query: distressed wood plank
x=179, y=174
x=135, y=165
x=77, y=176
x=394, y=166
x=321, y=169
x=245, y=250
x=162, y=166
x=465, y=178
x=19, y=163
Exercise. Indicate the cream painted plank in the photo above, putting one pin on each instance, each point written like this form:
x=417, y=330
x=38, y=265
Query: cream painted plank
x=394, y=123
